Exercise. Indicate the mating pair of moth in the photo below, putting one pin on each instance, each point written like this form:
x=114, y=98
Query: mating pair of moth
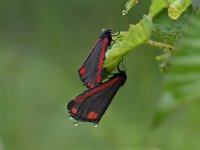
x=91, y=105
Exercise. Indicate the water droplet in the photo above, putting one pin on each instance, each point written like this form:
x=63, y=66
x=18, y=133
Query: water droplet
x=75, y=122
x=95, y=125
x=124, y=12
x=162, y=65
x=70, y=117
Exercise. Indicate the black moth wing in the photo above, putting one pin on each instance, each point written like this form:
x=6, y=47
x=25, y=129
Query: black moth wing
x=92, y=104
x=91, y=72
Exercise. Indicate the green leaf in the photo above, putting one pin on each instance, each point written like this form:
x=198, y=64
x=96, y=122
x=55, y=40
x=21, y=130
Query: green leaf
x=164, y=29
x=140, y=33
x=136, y=35
x=130, y=4
x=167, y=30
x=182, y=83
x=178, y=7
x=157, y=6
x=175, y=7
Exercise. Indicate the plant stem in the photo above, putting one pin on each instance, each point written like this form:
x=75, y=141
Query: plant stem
x=159, y=44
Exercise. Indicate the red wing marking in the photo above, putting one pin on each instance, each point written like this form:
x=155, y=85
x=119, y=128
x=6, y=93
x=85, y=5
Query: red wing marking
x=102, y=55
x=90, y=85
x=92, y=115
x=82, y=71
x=74, y=110
x=92, y=92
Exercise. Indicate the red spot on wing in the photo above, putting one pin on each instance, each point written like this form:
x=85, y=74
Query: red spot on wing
x=102, y=55
x=95, y=90
x=82, y=71
x=90, y=85
x=92, y=115
x=74, y=110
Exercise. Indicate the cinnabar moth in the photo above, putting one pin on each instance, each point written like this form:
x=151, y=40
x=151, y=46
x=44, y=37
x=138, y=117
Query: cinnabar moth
x=91, y=72
x=92, y=104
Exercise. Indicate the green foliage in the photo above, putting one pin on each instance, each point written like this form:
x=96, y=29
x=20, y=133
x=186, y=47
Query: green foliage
x=182, y=83
x=163, y=27
x=136, y=35
x=157, y=6
x=167, y=30
x=175, y=7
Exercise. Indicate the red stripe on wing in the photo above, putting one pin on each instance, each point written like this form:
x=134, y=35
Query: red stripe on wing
x=110, y=83
x=102, y=55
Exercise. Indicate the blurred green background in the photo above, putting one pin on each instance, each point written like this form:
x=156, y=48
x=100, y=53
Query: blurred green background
x=42, y=44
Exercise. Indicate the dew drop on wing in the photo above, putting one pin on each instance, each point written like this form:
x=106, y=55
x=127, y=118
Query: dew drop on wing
x=75, y=122
x=95, y=125
x=69, y=116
